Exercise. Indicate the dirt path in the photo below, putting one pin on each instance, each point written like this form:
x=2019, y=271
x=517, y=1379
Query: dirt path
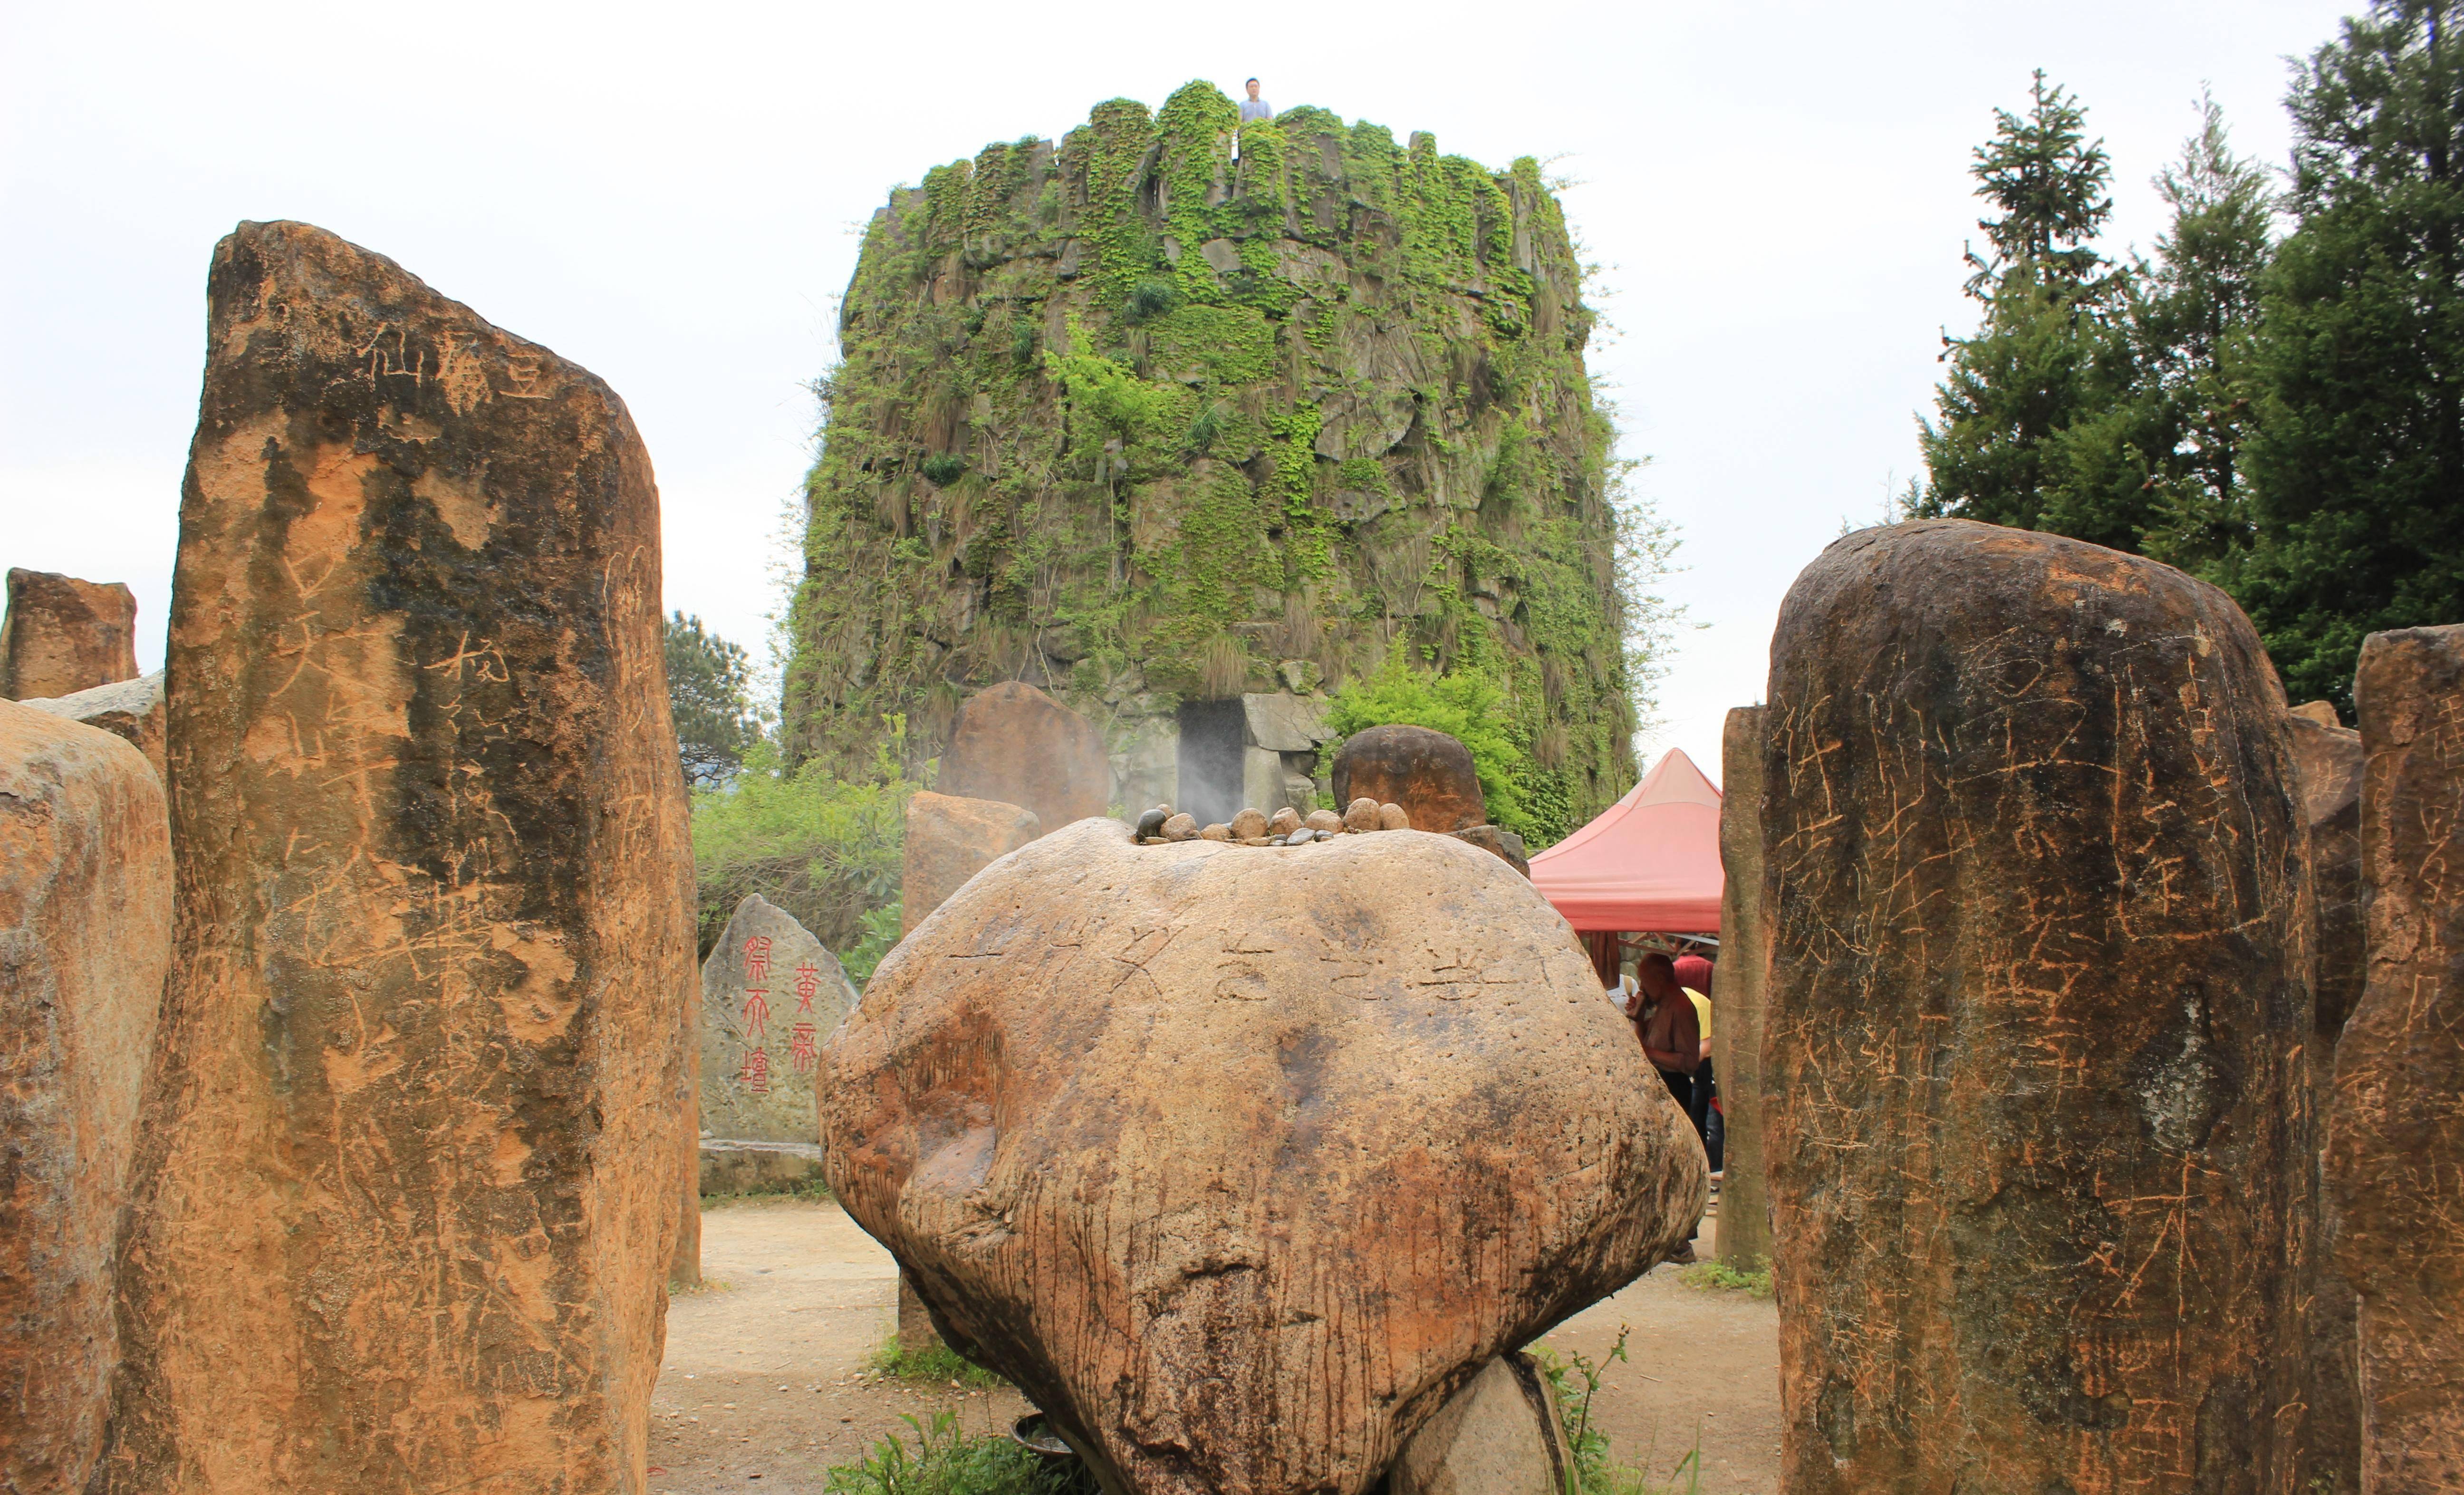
x=760, y=1390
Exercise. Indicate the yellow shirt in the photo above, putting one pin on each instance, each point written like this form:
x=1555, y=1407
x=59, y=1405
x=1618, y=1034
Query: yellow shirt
x=1702, y=1009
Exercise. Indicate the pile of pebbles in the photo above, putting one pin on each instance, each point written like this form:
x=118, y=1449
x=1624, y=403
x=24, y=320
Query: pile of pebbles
x=1286, y=828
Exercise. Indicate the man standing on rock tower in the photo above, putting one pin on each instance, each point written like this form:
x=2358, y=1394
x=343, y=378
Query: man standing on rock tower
x=1254, y=108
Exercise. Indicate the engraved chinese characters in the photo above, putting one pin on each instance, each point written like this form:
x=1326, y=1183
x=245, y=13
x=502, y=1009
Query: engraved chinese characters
x=770, y=993
x=1240, y=1177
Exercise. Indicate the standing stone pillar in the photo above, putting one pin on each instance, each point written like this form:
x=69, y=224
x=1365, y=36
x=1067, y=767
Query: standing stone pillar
x=2038, y=1001
x=406, y=1192
x=61, y=635
x=2395, y=1151
x=1744, y=1235
x=85, y=934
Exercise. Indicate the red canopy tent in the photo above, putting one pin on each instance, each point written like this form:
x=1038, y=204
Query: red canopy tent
x=1650, y=862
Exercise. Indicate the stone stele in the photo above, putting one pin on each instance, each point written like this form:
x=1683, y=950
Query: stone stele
x=1242, y=1173
x=1743, y=1236
x=770, y=993
x=1016, y=745
x=407, y=1186
x=85, y=934
x=2039, y=1127
x=62, y=635
x=2395, y=1151
x=950, y=838
x=130, y=709
x=1428, y=772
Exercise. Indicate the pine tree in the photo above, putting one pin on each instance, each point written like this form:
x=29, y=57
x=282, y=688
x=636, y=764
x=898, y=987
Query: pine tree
x=2036, y=426
x=710, y=693
x=2357, y=465
x=2194, y=325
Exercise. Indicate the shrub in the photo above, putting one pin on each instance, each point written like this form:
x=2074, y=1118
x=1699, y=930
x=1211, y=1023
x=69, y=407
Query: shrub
x=941, y=469
x=826, y=850
x=946, y=1462
x=1463, y=705
x=939, y=1366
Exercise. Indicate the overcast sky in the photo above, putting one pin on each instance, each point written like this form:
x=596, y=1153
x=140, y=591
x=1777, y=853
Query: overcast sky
x=1777, y=196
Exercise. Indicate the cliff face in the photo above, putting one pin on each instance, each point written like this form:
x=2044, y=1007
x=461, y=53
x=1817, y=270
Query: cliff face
x=1167, y=415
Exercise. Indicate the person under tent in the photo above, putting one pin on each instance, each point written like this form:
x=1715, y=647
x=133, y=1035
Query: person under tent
x=1694, y=975
x=1666, y=1024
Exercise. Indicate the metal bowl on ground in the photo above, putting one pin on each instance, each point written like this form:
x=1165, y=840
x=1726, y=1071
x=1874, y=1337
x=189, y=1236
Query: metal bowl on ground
x=1033, y=1433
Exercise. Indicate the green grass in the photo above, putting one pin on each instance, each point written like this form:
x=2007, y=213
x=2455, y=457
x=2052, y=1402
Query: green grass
x=1721, y=1277
x=946, y=1462
x=1575, y=1379
x=939, y=1365
x=800, y=1189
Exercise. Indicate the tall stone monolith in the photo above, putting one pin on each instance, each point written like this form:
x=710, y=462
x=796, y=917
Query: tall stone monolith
x=406, y=1192
x=2036, y=1014
x=2395, y=1155
x=1743, y=1234
x=61, y=635
x=770, y=996
x=2327, y=761
x=85, y=934
x=1016, y=745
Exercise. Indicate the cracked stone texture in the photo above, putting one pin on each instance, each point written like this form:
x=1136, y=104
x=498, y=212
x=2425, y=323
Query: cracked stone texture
x=1242, y=1171
x=86, y=935
x=62, y=635
x=2395, y=1155
x=407, y=1185
x=1016, y=745
x=1426, y=772
x=2040, y=1136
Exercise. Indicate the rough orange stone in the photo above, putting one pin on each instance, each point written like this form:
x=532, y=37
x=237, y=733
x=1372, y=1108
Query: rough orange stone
x=62, y=635
x=407, y=1188
x=1015, y=745
x=2395, y=1154
x=950, y=838
x=129, y=709
x=2040, y=1138
x=1426, y=772
x=1240, y=1170
x=85, y=934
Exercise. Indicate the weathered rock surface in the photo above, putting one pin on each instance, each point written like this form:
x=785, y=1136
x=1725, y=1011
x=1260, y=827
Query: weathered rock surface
x=62, y=635
x=1745, y=1236
x=729, y=1165
x=1498, y=1436
x=948, y=840
x=85, y=934
x=407, y=1179
x=2038, y=1139
x=770, y=995
x=129, y=709
x=1504, y=844
x=2395, y=1155
x=2327, y=761
x=1016, y=745
x=1242, y=1178
x=1428, y=772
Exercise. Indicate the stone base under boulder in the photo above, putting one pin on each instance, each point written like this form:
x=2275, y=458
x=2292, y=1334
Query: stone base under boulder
x=731, y=1166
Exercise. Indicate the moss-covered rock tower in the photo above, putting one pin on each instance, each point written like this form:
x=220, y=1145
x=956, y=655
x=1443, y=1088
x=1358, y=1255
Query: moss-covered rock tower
x=1179, y=411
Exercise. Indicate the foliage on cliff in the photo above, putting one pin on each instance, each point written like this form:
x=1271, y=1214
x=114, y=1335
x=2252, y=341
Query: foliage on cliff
x=1178, y=410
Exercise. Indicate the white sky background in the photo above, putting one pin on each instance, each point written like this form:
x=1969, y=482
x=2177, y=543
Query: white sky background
x=1777, y=195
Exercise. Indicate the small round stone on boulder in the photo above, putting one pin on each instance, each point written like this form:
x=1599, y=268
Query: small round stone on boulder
x=1286, y=821
x=1323, y=820
x=1151, y=824
x=1361, y=815
x=1392, y=817
x=1216, y=832
x=1300, y=836
x=1247, y=823
x=1182, y=826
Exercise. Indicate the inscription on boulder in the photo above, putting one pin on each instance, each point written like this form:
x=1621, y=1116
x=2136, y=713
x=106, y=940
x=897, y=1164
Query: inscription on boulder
x=770, y=995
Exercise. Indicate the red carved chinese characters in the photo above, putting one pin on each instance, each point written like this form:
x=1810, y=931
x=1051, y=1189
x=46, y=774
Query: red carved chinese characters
x=757, y=1071
x=808, y=986
x=756, y=960
x=801, y=1049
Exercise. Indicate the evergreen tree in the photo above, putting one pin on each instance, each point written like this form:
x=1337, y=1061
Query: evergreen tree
x=2194, y=325
x=2036, y=426
x=710, y=693
x=2357, y=465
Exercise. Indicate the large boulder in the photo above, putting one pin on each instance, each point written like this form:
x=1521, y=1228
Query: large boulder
x=1426, y=772
x=1016, y=745
x=950, y=838
x=408, y=1188
x=1744, y=1234
x=2038, y=994
x=770, y=996
x=2395, y=1154
x=1498, y=1435
x=1242, y=1162
x=85, y=934
x=129, y=709
x=62, y=635
x=2327, y=763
